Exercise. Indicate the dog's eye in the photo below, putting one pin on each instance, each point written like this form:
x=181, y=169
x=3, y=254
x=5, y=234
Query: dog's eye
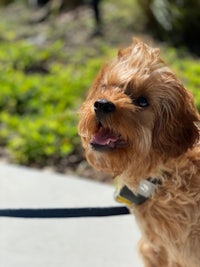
x=142, y=102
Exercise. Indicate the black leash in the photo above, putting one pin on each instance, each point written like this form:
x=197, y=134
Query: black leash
x=50, y=213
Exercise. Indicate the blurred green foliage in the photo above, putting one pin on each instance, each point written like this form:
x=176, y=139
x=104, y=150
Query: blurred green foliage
x=43, y=85
x=39, y=99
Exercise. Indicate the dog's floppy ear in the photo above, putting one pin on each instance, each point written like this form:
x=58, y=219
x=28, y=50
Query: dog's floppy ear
x=176, y=126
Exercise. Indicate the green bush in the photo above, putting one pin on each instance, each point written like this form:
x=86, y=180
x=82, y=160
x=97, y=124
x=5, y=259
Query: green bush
x=38, y=110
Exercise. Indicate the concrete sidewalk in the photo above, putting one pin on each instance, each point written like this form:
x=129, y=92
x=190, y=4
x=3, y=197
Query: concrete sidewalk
x=81, y=242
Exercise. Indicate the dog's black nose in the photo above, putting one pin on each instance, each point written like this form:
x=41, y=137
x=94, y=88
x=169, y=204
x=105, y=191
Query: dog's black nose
x=103, y=106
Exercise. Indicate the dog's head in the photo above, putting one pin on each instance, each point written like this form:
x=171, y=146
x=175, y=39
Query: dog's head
x=136, y=108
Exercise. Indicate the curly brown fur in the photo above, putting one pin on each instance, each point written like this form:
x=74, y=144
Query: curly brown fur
x=150, y=129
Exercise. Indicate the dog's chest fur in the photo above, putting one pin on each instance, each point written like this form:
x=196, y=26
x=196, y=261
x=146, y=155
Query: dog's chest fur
x=171, y=216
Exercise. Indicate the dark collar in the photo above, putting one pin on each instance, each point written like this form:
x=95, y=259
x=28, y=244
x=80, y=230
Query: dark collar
x=144, y=191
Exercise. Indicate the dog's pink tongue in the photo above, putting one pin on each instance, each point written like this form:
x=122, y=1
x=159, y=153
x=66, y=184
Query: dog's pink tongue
x=104, y=136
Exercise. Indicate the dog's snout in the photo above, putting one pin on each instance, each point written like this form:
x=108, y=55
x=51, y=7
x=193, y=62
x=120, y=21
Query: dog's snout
x=103, y=106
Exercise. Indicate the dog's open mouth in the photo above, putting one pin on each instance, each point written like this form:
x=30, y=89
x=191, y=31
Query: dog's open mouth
x=105, y=139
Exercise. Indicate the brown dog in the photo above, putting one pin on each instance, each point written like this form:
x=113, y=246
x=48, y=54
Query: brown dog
x=140, y=123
